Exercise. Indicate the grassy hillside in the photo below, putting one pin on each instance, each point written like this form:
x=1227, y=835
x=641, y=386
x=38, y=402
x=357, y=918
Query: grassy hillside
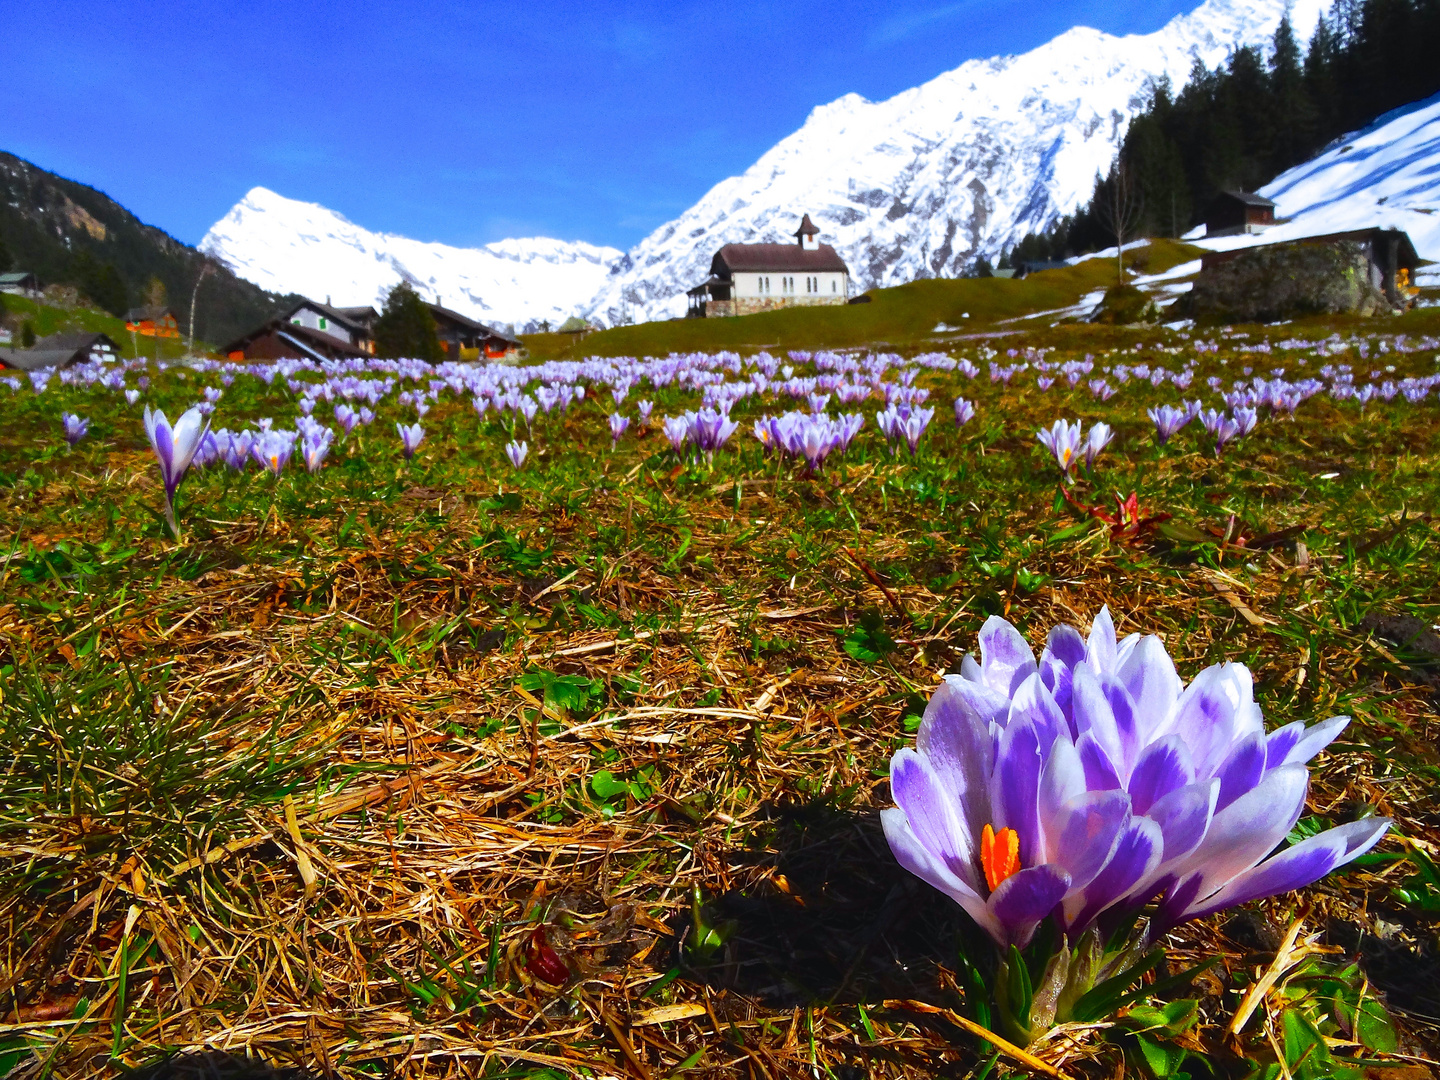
x=67, y=233
x=45, y=319
x=902, y=317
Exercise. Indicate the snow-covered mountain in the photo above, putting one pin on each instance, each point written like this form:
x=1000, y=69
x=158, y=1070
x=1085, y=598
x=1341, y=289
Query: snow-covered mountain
x=968, y=163
x=1383, y=175
x=289, y=246
x=915, y=186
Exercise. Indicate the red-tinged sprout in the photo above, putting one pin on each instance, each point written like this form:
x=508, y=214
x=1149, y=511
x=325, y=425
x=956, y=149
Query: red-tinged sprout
x=543, y=962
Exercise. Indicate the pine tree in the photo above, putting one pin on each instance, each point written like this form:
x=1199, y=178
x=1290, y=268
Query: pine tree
x=406, y=328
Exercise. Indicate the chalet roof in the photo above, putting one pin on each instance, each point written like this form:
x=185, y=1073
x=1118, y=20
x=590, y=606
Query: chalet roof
x=705, y=285
x=776, y=258
x=349, y=322
x=149, y=313
x=16, y=277
x=316, y=344
x=35, y=359
x=365, y=315
x=807, y=228
x=444, y=314
x=75, y=340
x=1249, y=198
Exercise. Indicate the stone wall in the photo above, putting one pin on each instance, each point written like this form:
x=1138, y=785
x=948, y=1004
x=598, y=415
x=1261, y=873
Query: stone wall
x=753, y=305
x=1284, y=281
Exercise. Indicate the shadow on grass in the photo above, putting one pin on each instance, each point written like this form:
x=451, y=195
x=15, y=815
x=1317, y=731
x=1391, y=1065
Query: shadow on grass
x=832, y=917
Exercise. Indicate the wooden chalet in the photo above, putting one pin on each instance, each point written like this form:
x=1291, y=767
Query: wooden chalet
x=282, y=339
x=1234, y=213
x=354, y=326
x=20, y=282
x=466, y=339
x=60, y=351
x=152, y=322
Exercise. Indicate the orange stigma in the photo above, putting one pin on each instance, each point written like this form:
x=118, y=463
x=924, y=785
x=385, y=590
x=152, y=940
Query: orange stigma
x=999, y=855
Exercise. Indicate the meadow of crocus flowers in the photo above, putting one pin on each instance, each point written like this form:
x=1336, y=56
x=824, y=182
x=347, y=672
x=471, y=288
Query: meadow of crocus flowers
x=1062, y=708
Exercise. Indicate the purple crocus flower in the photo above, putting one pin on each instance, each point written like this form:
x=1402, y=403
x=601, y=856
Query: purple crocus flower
x=132, y=396
x=75, y=427
x=618, y=424
x=272, y=449
x=315, y=446
x=410, y=438
x=1095, y=781
x=1222, y=428
x=1063, y=441
x=677, y=430
x=174, y=449
x=1096, y=441
x=347, y=418
x=964, y=411
x=1168, y=419
x=644, y=408
x=516, y=452
x=913, y=426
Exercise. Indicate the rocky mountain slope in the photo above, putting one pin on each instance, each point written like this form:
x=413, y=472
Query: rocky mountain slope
x=68, y=233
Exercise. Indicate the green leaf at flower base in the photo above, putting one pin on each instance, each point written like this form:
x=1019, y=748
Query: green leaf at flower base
x=868, y=641
x=1306, y=1054
x=1373, y=1028
x=1161, y=1059
x=1173, y=1019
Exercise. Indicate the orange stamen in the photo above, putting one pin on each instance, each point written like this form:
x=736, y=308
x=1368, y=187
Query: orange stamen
x=999, y=855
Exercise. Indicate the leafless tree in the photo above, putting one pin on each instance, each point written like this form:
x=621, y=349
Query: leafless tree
x=1120, y=210
x=206, y=268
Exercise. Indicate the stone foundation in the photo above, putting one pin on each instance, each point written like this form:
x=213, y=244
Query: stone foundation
x=753, y=305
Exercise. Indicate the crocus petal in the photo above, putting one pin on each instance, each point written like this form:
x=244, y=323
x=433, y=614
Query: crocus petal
x=1095, y=704
x=1062, y=780
x=1212, y=713
x=1149, y=675
x=1033, y=702
x=1298, y=866
x=1248, y=829
x=1015, y=788
x=1100, y=648
x=1242, y=770
x=934, y=814
x=1005, y=658
x=920, y=861
x=1137, y=853
x=956, y=742
x=1087, y=833
x=1100, y=771
x=1184, y=818
x=188, y=432
x=1163, y=767
x=1023, y=899
x=1307, y=742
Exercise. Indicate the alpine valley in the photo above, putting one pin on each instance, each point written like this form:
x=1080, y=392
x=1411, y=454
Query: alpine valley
x=917, y=186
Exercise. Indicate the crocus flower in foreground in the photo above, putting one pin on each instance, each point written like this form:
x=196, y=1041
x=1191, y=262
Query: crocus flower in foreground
x=411, y=437
x=677, y=431
x=516, y=452
x=1094, y=782
x=75, y=427
x=964, y=411
x=174, y=449
x=1063, y=441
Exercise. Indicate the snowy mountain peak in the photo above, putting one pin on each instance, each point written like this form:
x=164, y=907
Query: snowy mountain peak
x=287, y=245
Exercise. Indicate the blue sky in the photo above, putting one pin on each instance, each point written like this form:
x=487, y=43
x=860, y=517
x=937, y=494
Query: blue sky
x=469, y=122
